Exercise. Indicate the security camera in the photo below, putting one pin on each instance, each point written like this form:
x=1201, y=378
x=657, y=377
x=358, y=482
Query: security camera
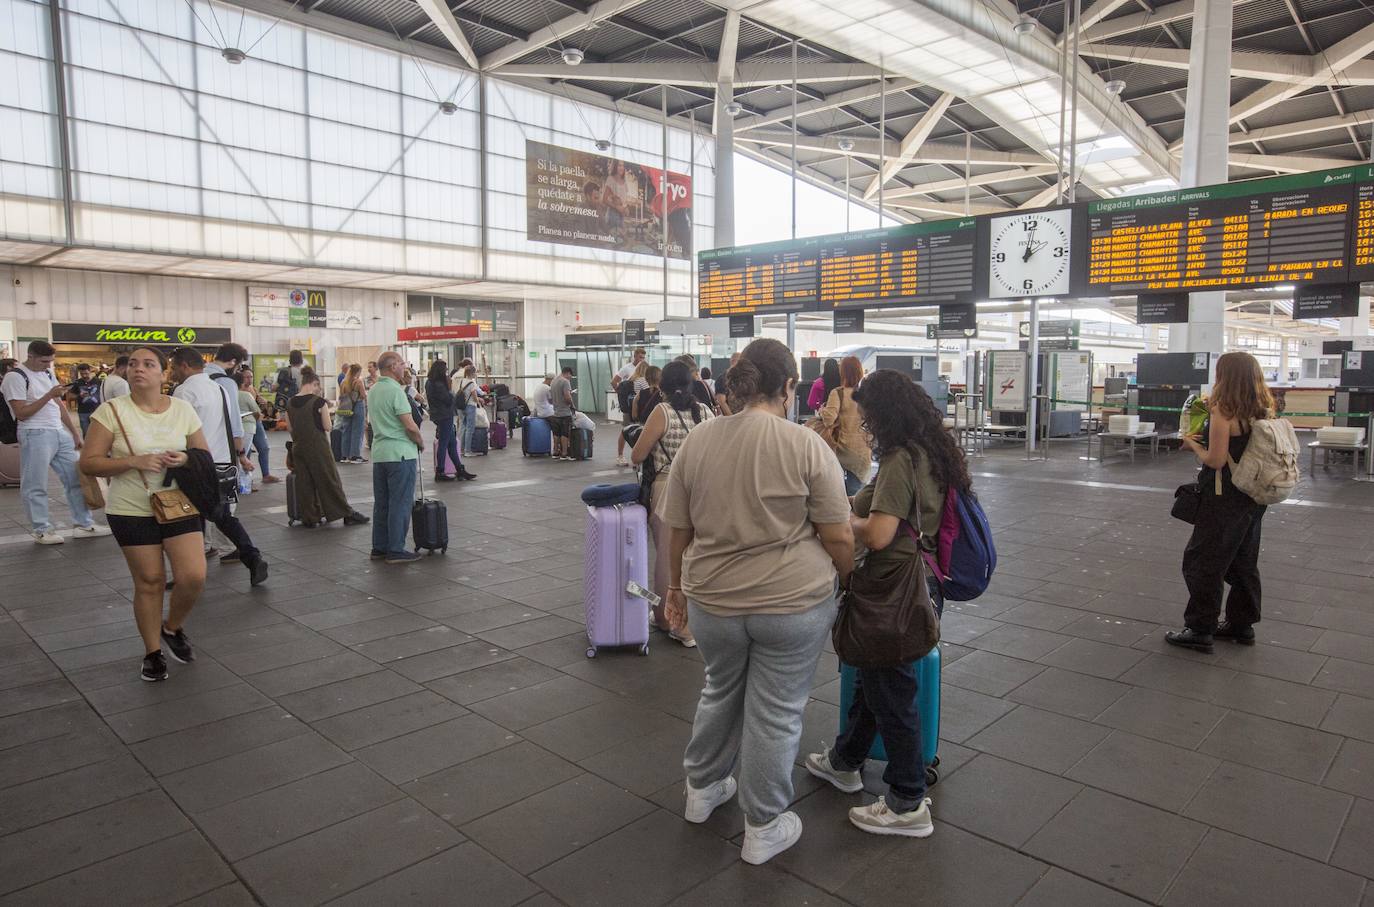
x=572, y=55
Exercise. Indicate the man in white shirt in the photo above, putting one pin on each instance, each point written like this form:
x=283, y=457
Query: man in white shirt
x=213, y=401
x=541, y=400
x=48, y=439
x=116, y=384
x=627, y=371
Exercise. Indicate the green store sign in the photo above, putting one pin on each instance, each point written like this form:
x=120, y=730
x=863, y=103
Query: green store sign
x=130, y=334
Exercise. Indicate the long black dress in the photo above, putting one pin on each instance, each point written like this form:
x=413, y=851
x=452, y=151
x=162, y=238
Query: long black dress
x=319, y=493
x=1224, y=549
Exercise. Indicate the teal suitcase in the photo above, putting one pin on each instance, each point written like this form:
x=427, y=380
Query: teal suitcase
x=927, y=706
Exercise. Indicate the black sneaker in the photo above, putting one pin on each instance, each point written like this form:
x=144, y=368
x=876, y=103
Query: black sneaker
x=356, y=519
x=377, y=555
x=1245, y=635
x=154, y=667
x=231, y=558
x=178, y=645
x=402, y=557
x=1189, y=639
x=257, y=571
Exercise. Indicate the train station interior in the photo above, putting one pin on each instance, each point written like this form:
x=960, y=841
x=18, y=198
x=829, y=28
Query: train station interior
x=1060, y=227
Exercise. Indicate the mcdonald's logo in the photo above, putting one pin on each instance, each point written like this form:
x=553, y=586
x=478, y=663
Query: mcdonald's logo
x=315, y=299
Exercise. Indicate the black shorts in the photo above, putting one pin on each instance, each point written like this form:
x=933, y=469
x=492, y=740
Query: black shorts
x=133, y=531
x=561, y=426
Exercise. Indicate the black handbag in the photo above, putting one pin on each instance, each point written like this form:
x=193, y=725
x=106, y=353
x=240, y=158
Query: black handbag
x=1187, y=499
x=227, y=475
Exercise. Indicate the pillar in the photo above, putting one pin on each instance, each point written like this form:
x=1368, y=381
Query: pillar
x=1206, y=122
x=725, y=167
x=1359, y=325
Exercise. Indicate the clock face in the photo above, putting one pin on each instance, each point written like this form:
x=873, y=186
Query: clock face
x=1030, y=254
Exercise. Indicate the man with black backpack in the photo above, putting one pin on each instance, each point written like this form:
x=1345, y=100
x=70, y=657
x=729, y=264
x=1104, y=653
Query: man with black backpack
x=48, y=439
x=289, y=380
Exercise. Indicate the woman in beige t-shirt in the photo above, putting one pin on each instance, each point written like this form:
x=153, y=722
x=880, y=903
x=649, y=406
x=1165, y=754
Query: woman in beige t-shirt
x=759, y=534
x=133, y=441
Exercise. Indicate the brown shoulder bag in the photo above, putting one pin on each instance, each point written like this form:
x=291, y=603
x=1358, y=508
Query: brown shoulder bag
x=169, y=504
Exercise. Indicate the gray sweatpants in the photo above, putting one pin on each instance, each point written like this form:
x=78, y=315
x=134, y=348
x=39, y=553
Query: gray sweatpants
x=758, y=676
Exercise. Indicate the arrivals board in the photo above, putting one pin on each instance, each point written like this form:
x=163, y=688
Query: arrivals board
x=1292, y=229
x=1362, y=226
x=771, y=277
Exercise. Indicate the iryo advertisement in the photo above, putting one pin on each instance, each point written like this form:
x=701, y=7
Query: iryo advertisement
x=581, y=199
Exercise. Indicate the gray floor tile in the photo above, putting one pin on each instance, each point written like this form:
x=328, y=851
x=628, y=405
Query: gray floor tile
x=531, y=632
x=1346, y=677
x=505, y=676
x=1353, y=770
x=37, y=696
x=1231, y=870
x=1306, y=821
x=379, y=628
x=600, y=727
x=43, y=800
x=348, y=614
x=184, y=680
x=831, y=852
x=1160, y=716
x=558, y=653
x=1352, y=716
x=643, y=765
x=343, y=857
x=1154, y=773
x=1122, y=844
x=243, y=774
x=757, y=886
x=975, y=798
x=233, y=895
x=549, y=825
x=347, y=695
x=1355, y=847
x=163, y=872
x=483, y=879
x=179, y=714
x=1180, y=677
x=501, y=615
x=269, y=658
x=430, y=749
x=1043, y=740
x=541, y=702
x=950, y=867
x=315, y=673
x=275, y=816
x=1263, y=743
x=1107, y=628
x=1025, y=643
x=415, y=642
x=1278, y=699
x=964, y=713
x=1040, y=615
x=989, y=673
x=1058, y=888
x=443, y=662
x=385, y=720
x=960, y=628
x=1097, y=658
x=209, y=742
x=485, y=784
x=1068, y=693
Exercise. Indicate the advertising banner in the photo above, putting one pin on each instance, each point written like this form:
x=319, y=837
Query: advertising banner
x=141, y=334
x=577, y=198
x=297, y=307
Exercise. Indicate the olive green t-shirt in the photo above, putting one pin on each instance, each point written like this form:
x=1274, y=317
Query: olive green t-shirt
x=894, y=491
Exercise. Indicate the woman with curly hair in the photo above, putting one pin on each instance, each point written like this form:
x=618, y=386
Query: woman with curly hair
x=917, y=463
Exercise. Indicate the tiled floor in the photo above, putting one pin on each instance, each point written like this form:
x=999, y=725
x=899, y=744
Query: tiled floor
x=366, y=734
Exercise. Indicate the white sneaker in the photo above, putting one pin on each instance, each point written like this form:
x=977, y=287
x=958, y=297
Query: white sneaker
x=93, y=531
x=48, y=538
x=688, y=642
x=701, y=803
x=621, y=461
x=764, y=842
x=819, y=765
x=877, y=819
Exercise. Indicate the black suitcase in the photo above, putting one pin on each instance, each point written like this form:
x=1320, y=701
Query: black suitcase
x=336, y=443
x=293, y=508
x=429, y=519
x=581, y=446
x=481, y=444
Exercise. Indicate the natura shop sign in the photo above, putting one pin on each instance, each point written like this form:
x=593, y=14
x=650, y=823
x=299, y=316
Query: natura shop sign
x=130, y=334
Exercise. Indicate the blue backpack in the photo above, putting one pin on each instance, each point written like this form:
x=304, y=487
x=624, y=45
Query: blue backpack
x=964, y=554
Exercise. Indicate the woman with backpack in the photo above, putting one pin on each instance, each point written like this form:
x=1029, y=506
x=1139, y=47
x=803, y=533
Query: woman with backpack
x=1225, y=544
x=441, y=413
x=469, y=397
x=918, y=462
x=665, y=428
x=840, y=424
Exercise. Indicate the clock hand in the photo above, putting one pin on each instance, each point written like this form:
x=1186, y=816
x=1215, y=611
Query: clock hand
x=1030, y=245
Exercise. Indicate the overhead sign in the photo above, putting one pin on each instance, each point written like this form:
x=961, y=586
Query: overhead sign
x=633, y=329
x=741, y=326
x=141, y=334
x=848, y=321
x=297, y=307
x=1063, y=327
x=576, y=198
x=937, y=333
x=1161, y=308
x=440, y=332
x=959, y=317
x=1340, y=300
x=1053, y=343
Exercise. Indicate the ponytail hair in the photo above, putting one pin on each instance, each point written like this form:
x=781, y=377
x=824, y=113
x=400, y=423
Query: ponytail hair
x=676, y=386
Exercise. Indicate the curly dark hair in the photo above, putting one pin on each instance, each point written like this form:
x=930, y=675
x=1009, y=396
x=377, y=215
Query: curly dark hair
x=900, y=415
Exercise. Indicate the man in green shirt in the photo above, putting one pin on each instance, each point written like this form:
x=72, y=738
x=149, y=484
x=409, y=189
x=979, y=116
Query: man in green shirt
x=396, y=446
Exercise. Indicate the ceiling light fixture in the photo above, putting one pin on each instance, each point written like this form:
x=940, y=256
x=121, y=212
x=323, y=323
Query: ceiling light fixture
x=573, y=55
x=846, y=145
x=603, y=145
x=1024, y=25
x=233, y=55
x=733, y=109
x=1115, y=87
x=448, y=108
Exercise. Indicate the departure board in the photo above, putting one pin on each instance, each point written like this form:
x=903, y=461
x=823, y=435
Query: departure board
x=772, y=277
x=1362, y=226
x=910, y=265
x=1292, y=229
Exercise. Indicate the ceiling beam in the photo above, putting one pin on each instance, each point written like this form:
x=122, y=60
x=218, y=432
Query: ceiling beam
x=556, y=31
x=949, y=209
x=1332, y=64
x=700, y=73
x=832, y=102
x=1097, y=12
x=1288, y=163
x=956, y=183
x=930, y=153
x=729, y=45
x=1243, y=64
x=442, y=17
x=911, y=144
x=1162, y=15
x=1041, y=198
x=1356, y=119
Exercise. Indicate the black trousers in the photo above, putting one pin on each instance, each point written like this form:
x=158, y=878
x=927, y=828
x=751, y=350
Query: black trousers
x=233, y=530
x=1224, y=548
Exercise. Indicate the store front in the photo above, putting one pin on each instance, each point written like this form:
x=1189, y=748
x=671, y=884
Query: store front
x=494, y=347
x=420, y=346
x=99, y=344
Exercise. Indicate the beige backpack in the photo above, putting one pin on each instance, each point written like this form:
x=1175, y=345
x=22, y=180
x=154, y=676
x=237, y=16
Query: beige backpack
x=1268, y=470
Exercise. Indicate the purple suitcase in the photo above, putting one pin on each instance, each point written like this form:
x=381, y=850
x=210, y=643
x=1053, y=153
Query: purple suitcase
x=617, y=553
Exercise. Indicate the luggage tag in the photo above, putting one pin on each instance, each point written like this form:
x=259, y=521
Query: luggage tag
x=634, y=588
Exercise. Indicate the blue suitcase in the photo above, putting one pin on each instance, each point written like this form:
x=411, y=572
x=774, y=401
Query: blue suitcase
x=480, y=445
x=927, y=706
x=537, y=438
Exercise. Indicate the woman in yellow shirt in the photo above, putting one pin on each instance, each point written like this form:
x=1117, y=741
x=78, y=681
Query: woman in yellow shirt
x=160, y=429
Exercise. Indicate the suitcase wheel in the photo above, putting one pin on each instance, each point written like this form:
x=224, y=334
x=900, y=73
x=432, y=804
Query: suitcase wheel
x=935, y=761
x=932, y=775
x=644, y=649
x=591, y=651
x=444, y=550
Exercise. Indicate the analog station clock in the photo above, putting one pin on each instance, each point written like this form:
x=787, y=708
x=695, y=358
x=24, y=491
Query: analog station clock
x=1029, y=254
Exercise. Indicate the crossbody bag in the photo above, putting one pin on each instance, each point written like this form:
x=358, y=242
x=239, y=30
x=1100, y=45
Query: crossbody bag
x=169, y=505
x=227, y=475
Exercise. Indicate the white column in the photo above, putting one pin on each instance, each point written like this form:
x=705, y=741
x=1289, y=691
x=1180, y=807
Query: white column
x=725, y=167
x=1205, y=151
x=1359, y=325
